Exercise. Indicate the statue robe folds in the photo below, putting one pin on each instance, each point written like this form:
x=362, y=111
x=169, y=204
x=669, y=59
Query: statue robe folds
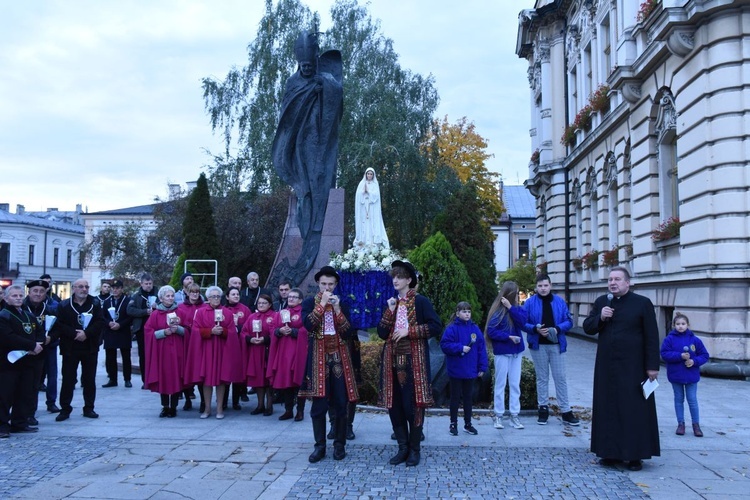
x=306, y=146
x=368, y=215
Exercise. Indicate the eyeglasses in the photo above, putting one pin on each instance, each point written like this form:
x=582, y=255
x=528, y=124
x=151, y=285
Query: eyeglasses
x=214, y=297
x=293, y=297
x=194, y=291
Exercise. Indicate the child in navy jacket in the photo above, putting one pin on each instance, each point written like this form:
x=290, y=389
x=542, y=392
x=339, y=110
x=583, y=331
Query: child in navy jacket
x=684, y=353
x=466, y=360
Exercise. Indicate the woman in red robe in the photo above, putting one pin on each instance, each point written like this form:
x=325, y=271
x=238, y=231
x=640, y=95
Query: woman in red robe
x=186, y=310
x=257, y=333
x=214, y=353
x=240, y=312
x=287, y=356
x=164, y=334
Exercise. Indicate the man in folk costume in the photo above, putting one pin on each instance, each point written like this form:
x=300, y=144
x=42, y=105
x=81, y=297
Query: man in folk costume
x=329, y=380
x=405, y=388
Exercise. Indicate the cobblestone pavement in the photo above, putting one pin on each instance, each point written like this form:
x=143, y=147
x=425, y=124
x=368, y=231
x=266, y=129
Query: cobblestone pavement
x=455, y=472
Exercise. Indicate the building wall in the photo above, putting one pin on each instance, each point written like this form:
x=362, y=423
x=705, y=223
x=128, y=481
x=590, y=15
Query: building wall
x=677, y=117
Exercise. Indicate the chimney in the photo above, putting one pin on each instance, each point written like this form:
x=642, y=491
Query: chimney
x=20, y=209
x=79, y=208
x=174, y=191
x=191, y=185
x=5, y=207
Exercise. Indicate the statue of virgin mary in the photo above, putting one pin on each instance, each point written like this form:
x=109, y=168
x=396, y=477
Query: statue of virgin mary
x=368, y=224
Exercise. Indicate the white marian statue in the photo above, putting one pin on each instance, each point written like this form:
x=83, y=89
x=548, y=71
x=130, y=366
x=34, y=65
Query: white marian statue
x=368, y=216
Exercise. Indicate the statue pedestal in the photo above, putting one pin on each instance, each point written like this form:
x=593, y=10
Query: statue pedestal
x=332, y=240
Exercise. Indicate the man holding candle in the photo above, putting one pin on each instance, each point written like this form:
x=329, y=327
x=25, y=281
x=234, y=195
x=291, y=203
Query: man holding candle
x=117, y=334
x=79, y=325
x=329, y=380
x=36, y=303
x=139, y=308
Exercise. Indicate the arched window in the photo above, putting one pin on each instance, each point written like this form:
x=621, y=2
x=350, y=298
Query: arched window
x=666, y=141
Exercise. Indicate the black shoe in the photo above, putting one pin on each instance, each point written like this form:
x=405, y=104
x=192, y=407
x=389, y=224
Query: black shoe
x=287, y=415
x=608, y=462
x=413, y=458
x=25, y=428
x=317, y=455
x=188, y=405
x=543, y=415
x=128, y=384
x=111, y=383
x=164, y=412
x=90, y=414
x=33, y=421
x=52, y=408
x=172, y=413
x=253, y=391
x=258, y=410
x=236, y=406
x=63, y=415
x=635, y=465
x=469, y=429
x=244, y=399
x=339, y=453
x=268, y=412
x=453, y=429
x=570, y=419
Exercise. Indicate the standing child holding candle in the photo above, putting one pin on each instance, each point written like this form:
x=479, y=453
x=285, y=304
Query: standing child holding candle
x=466, y=360
x=684, y=353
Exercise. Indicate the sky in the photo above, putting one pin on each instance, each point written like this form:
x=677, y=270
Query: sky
x=101, y=102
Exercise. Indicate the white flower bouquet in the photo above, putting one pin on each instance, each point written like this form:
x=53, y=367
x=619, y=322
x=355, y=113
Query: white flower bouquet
x=364, y=258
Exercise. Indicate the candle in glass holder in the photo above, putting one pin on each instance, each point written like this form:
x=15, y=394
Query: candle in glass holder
x=218, y=316
x=171, y=318
x=257, y=327
x=112, y=313
x=285, y=316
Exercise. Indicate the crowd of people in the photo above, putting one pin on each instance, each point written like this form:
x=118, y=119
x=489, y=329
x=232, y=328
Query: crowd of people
x=289, y=348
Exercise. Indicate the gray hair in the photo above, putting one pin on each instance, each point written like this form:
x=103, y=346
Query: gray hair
x=210, y=290
x=15, y=287
x=163, y=290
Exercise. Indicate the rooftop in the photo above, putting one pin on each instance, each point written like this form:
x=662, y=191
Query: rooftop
x=518, y=202
x=30, y=220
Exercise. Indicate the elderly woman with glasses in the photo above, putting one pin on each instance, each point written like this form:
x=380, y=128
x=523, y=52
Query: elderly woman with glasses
x=214, y=351
x=256, y=333
x=164, y=334
x=240, y=313
x=288, y=355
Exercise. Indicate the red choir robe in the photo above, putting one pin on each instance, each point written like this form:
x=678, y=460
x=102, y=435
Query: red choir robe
x=213, y=359
x=257, y=354
x=287, y=356
x=165, y=354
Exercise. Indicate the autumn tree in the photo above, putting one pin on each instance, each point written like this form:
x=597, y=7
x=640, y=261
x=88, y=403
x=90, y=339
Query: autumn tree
x=460, y=147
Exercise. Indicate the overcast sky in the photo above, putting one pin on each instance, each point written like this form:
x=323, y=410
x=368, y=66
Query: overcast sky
x=101, y=102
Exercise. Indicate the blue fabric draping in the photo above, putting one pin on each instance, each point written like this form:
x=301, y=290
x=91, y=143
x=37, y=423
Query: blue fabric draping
x=367, y=295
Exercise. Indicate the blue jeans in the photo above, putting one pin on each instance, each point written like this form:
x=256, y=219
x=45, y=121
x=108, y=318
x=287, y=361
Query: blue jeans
x=689, y=391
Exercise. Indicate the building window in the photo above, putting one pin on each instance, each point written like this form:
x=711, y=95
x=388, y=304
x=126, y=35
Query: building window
x=4, y=257
x=31, y=255
x=69, y=259
x=523, y=248
x=666, y=124
x=56, y=258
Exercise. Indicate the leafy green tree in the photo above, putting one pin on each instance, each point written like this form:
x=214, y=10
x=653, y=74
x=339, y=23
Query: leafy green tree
x=198, y=229
x=523, y=272
x=471, y=238
x=444, y=278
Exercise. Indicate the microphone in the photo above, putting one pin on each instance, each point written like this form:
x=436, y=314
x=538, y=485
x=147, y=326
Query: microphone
x=609, y=303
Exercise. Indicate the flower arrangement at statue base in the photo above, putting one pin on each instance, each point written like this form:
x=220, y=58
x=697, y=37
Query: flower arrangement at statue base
x=365, y=284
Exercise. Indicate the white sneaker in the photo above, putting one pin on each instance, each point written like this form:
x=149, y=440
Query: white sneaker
x=515, y=423
x=499, y=423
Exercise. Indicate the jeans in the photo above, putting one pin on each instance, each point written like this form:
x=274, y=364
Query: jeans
x=549, y=358
x=507, y=366
x=689, y=391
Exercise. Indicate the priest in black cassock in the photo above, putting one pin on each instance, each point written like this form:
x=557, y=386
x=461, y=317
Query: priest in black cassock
x=624, y=425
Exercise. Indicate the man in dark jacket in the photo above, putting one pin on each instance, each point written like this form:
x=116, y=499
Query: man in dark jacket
x=79, y=326
x=139, y=309
x=39, y=305
x=117, y=334
x=18, y=332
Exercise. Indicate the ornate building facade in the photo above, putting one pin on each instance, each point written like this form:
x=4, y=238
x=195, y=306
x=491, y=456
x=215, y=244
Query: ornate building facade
x=640, y=125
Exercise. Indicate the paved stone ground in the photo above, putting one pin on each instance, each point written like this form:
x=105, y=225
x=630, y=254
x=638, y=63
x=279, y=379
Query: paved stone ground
x=462, y=472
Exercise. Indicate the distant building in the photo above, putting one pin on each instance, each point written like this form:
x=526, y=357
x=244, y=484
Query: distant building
x=31, y=246
x=639, y=124
x=514, y=234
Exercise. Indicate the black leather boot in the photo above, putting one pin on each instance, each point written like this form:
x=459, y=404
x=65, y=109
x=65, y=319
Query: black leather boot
x=351, y=410
x=415, y=441
x=403, y=446
x=319, y=433
x=339, y=439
